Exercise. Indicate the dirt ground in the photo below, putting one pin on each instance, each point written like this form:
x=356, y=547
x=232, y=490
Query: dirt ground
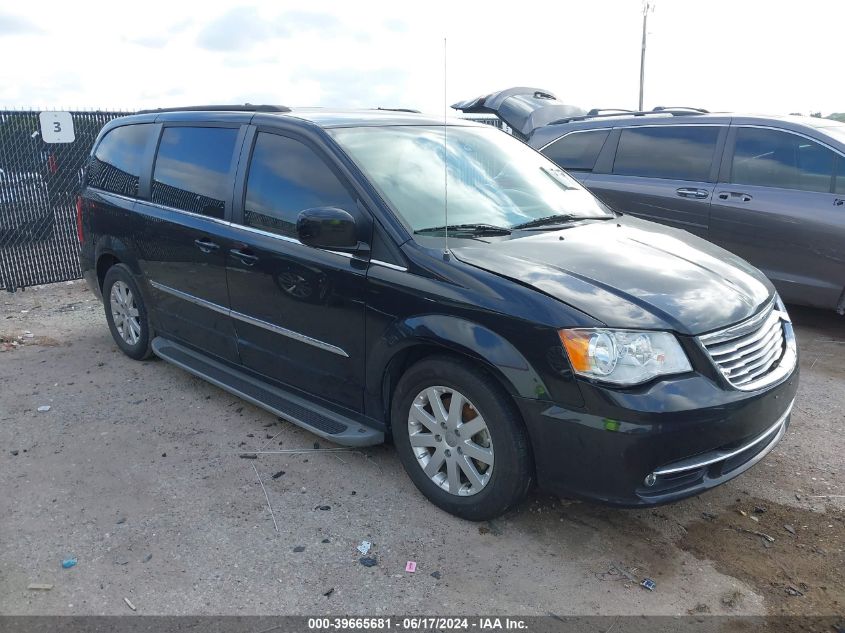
x=135, y=472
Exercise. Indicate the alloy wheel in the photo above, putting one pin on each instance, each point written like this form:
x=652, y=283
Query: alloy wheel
x=125, y=313
x=450, y=440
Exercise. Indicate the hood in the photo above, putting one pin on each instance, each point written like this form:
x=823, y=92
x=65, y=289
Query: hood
x=524, y=109
x=630, y=273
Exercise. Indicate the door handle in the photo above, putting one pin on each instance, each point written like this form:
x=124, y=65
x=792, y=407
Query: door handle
x=692, y=192
x=206, y=245
x=246, y=258
x=734, y=195
x=838, y=202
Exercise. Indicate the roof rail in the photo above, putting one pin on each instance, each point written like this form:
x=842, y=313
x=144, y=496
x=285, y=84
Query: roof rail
x=674, y=108
x=596, y=111
x=397, y=110
x=246, y=107
x=632, y=113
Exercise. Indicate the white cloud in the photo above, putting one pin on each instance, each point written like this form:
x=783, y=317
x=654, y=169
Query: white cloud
x=16, y=25
x=722, y=55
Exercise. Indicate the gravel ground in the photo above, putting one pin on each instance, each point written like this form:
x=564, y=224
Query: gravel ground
x=135, y=472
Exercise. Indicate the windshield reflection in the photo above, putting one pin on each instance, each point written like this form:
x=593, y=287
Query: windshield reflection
x=490, y=177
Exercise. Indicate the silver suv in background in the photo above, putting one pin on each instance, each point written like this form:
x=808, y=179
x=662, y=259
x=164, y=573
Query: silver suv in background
x=769, y=189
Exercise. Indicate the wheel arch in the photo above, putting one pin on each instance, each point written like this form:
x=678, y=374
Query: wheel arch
x=104, y=262
x=420, y=337
x=110, y=251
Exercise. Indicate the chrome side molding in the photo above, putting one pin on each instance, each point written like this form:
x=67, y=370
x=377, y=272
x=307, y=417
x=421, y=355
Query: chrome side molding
x=276, y=329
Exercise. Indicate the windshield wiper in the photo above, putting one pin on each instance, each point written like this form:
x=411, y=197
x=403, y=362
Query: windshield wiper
x=466, y=229
x=560, y=218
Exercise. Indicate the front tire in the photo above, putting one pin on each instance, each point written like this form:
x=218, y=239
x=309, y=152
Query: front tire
x=126, y=313
x=460, y=438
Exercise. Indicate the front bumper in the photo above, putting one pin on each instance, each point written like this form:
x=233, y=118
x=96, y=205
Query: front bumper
x=673, y=439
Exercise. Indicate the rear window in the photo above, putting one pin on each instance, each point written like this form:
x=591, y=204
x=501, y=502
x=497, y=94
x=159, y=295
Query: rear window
x=192, y=169
x=116, y=163
x=577, y=151
x=677, y=152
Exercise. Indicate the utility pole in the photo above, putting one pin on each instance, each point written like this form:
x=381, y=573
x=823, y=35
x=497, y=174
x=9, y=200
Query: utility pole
x=647, y=6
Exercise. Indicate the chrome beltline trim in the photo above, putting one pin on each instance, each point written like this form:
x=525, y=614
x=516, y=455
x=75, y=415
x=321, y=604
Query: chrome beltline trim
x=251, y=320
x=693, y=463
x=378, y=262
x=278, y=236
x=164, y=207
x=111, y=194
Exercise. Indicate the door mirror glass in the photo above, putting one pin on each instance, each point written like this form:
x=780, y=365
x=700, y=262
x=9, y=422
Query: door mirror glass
x=327, y=227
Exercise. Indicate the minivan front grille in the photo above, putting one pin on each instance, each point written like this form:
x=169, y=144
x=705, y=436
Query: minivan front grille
x=756, y=352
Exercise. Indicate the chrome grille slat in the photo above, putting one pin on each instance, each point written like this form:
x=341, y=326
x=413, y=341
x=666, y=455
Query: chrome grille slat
x=775, y=342
x=735, y=345
x=762, y=364
x=747, y=353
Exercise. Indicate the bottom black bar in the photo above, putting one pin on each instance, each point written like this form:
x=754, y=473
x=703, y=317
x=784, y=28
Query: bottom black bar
x=136, y=623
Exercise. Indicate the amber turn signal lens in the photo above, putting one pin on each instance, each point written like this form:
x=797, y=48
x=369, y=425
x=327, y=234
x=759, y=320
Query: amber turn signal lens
x=577, y=345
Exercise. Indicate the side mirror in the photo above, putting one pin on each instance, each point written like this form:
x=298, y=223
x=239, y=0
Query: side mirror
x=329, y=228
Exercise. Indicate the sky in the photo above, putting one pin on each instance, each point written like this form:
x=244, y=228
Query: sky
x=724, y=55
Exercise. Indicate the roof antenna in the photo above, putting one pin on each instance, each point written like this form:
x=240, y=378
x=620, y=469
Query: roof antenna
x=445, y=164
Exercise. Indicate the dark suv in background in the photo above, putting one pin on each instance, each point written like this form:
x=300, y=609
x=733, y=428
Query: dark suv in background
x=302, y=260
x=770, y=189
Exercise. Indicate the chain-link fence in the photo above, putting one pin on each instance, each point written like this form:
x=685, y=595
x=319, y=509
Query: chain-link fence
x=39, y=182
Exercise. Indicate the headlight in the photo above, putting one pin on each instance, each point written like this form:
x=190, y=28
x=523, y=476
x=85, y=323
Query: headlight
x=623, y=357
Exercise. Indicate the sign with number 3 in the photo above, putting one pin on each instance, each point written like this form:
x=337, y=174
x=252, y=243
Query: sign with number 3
x=57, y=127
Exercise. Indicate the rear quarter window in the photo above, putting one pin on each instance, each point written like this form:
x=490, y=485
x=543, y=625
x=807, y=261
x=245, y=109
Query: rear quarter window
x=677, y=152
x=116, y=163
x=577, y=151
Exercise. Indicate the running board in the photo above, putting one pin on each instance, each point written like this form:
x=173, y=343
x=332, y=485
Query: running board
x=319, y=420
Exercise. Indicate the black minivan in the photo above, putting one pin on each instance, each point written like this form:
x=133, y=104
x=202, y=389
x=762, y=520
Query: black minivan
x=382, y=274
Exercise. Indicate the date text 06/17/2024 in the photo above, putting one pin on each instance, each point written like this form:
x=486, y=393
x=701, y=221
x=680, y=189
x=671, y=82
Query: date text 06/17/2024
x=417, y=623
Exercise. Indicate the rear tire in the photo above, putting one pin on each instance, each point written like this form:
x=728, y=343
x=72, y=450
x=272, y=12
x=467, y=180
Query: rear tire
x=126, y=313
x=473, y=460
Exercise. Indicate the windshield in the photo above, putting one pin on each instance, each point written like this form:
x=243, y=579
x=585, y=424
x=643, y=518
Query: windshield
x=491, y=178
